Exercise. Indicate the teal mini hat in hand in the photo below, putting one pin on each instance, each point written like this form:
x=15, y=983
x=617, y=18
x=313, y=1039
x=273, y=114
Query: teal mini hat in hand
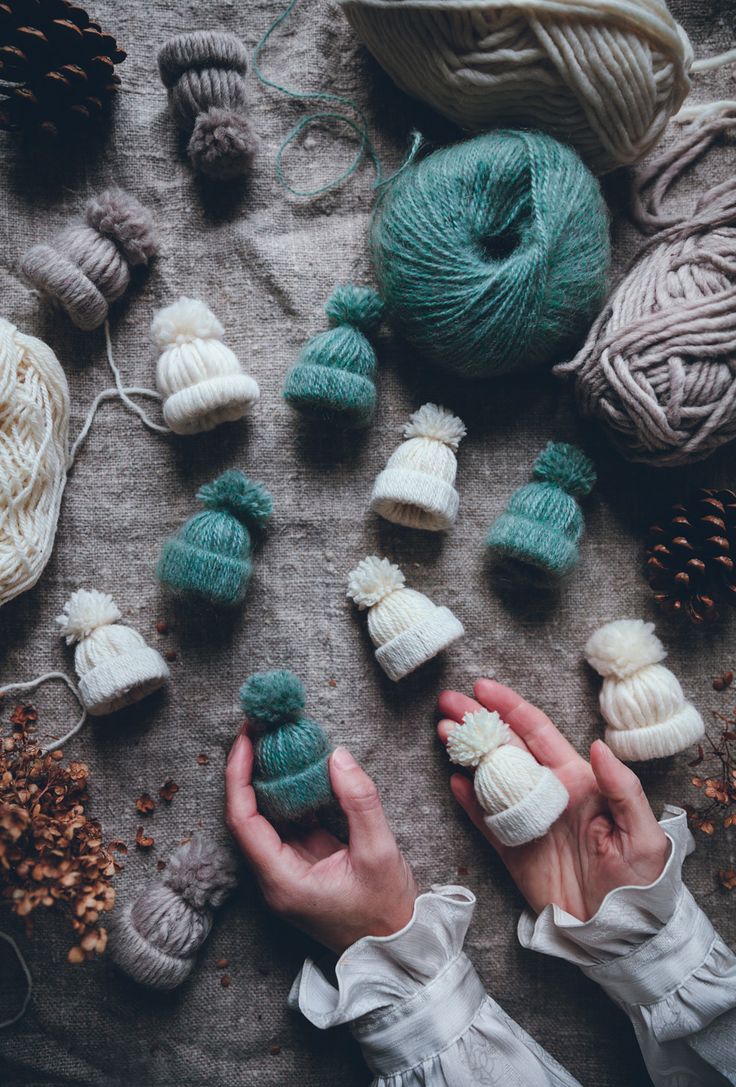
x=543, y=522
x=290, y=773
x=333, y=377
x=210, y=556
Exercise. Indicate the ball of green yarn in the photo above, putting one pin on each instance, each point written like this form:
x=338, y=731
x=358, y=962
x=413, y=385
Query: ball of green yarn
x=492, y=255
x=290, y=752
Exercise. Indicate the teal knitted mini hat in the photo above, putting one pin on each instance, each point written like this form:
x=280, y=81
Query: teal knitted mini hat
x=290, y=773
x=543, y=522
x=210, y=556
x=333, y=377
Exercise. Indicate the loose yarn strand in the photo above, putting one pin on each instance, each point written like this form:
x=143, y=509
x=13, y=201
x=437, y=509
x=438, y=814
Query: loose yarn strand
x=29, y=981
x=31, y=685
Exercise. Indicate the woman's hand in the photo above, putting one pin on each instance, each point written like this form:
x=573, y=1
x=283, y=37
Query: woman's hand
x=336, y=893
x=606, y=838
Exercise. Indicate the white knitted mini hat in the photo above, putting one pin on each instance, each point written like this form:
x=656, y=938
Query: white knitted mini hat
x=416, y=488
x=641, y=700
x=114, y=664
x=202, y=382
x=405, y=626
x=522, y=798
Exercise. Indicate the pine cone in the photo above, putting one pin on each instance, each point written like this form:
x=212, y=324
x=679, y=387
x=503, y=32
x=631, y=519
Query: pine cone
x=690, y=564
x=57, y=67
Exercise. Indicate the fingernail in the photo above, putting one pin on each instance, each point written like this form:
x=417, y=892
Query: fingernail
x=342, y=759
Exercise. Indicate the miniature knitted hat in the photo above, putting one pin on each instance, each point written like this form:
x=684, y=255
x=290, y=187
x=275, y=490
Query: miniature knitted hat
x=88, y=267
x=203, y=71
x=416, y=488
x=210, y=554
x=641, y=700
x=156, y=937
x=522, y=798
x=290, y=773
x=404, y=625
x=543, y=523
x=333, y=377
x=200, y=379
x=115, y=666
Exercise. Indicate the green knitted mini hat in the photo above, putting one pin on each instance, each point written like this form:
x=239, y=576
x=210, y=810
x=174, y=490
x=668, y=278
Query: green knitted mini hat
x=543, y=522
x=290, y=773
x=210, y=554
x=333, y=377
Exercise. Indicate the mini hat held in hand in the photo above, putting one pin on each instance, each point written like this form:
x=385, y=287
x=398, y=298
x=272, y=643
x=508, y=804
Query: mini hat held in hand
x=416, y=488
x=290, y=752
x=200, y=379
x=115, y=666
x=404, y=625
x=210, y=556
x=156, y=937
x=522, y=798
x=543, y=522
x=333, y=377
x=88, y=266
x=641, y=700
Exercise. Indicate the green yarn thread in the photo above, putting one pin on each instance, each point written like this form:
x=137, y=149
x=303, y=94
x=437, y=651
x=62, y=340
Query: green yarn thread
x=210, y=556
x=492, y=255
x=543, y=522
x=290, y=773
x=332, y=379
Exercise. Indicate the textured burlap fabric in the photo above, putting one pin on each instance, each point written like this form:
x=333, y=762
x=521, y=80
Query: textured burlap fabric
x=266, y=261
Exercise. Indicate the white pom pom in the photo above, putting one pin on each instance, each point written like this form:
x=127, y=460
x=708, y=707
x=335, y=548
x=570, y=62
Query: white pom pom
x=480, y=733
x=373, y=580
x=184, y=321
x=84, y=612
x=623, y=647
x=432, y=421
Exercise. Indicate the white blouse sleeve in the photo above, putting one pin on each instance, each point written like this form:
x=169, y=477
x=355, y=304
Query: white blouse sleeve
x=658, y=957
x=419, y=1010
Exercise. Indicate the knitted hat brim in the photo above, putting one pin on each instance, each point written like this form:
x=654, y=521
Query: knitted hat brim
x=657, y=741
x=533, y=543
x=64, y=282
x=336, y=396
x=206, y=404
x=295, y=795
x=415, y=499
x=533, y=816
x=145, y=963
x=122, y=680
x=414, y=647
x=219, y=579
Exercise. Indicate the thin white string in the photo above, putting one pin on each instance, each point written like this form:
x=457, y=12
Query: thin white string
x=701, y=110
x=29, y=981
x=31, y=684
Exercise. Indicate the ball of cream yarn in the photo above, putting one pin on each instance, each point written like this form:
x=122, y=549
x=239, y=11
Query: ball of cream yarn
x=603, y=77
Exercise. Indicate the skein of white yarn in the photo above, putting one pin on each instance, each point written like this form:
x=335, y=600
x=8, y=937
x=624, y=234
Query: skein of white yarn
x=34, y=436
x=202, y=382
x=602, y=75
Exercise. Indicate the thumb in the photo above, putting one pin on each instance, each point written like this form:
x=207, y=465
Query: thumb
x=624, y=793
x=358, y=797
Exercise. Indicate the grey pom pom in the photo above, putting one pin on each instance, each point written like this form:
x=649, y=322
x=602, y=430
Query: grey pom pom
x=124, y=219
x=202, y=873
x=223, y=144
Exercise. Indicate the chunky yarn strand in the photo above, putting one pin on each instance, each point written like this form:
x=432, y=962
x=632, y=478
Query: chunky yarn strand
x=659, y=365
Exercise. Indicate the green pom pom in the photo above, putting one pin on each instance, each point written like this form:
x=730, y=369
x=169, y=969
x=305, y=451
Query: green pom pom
x=567, y=467
x=357, y=306
x=272, y=698
x=234, y=493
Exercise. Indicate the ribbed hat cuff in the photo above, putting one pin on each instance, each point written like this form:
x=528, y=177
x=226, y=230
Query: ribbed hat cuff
x=330, y=392
x=424, y=492
x=293, y=795
x=533, y=542
x=657, y=741
x=533, y=816
x=122, y=680
x=144, y=962
x=413, y=647
x=205, y=404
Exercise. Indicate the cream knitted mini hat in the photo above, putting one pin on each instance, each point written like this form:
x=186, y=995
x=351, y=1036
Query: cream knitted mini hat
x=522, y=798
x=114, y=664
x=416, y=488
x=202, y=382
x=405, y=626
x=641, y=700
